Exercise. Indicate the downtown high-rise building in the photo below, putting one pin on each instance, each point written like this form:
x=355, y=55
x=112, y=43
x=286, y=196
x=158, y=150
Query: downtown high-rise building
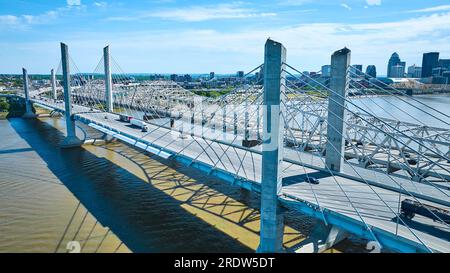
x=371, y=71
x=414, y=71
x=356, y=70
x=397, y=71
x=326, y=71
x=429, y=62
x=394, y=60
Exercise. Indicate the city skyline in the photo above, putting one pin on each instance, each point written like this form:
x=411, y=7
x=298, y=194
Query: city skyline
x=224, y=37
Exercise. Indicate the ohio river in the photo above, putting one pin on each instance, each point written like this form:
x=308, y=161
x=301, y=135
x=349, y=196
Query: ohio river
x=113, y=198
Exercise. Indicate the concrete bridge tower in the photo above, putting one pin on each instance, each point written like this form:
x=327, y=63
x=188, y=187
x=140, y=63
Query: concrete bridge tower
x=71, y=139
x=28, y=105
x=272, y=226
x=108, y=80
x=340, y=61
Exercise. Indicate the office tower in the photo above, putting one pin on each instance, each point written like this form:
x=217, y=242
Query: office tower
x=393, y=61
x=397, y=71
x=414, y=71
x=326, y=71
x=371, y=71
x=429, y=61
x=444, y=63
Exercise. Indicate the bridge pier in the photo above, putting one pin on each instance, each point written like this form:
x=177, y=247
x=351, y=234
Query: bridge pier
x=71, y=139
x=28, y=105
x=340, y=61
x=272, y=222
x=53, y=81
x=235, y=123
x=108, y=80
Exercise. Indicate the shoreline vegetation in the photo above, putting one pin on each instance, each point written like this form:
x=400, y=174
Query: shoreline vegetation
x=15, y=107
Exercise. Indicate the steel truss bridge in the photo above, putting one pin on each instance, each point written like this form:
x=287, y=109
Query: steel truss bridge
x=273, y=136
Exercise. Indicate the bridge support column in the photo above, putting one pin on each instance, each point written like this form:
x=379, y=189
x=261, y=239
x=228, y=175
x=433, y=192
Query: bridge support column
x=28, y=106
x=71, y=139
x=53, y=80
x=108, y=80
x=272, y=222
x=340, y=61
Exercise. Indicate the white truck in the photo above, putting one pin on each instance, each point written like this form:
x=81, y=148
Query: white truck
x=140, y=124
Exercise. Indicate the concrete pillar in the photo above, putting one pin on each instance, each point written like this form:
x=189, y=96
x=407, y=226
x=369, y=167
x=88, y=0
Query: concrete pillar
x=28, y=106
x=108, y=81
x=340, y=61
x=71, y=139
x=53, y=80
x=272, y=226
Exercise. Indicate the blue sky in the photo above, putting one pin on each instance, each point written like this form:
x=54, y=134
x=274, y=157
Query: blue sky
x=175, y=36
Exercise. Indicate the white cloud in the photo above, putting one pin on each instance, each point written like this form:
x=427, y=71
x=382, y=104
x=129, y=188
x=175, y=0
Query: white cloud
x=200, y=13
x=294, y=2
x=102, y=4
x=74, y=2
x=373, y=2
x=433, y=9
x=9, y=20
x=193, y=51
x=25, y=21
x=346, y=6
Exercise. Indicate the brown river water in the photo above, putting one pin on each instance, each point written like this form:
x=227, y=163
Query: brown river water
x=115, y=198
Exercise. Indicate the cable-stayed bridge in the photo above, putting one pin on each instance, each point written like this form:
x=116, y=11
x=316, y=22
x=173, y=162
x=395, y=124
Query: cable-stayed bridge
x=300, y=142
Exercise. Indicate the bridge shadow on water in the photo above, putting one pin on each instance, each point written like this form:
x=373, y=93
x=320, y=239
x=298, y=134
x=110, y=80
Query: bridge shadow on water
x=160, y=205
x=144, y=217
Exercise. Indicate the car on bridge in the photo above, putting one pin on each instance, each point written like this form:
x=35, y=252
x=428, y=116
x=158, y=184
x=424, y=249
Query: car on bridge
x=312, y=180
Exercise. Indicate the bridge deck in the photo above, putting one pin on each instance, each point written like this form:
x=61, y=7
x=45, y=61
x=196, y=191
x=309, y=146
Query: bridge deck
x=339, y=194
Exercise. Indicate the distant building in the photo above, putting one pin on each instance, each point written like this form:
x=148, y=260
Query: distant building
x=436, y=72
x=371, y=71
x=429, y=61
x=356, y=70
x=440, y=80
x=446, y=74
x=326, y=71
x=174, y=77
x=393, y=61
x=187, y=78
x=397, y=71
x=240, y=74
x=414, y=71
x=211, y=75
x=444, y=63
